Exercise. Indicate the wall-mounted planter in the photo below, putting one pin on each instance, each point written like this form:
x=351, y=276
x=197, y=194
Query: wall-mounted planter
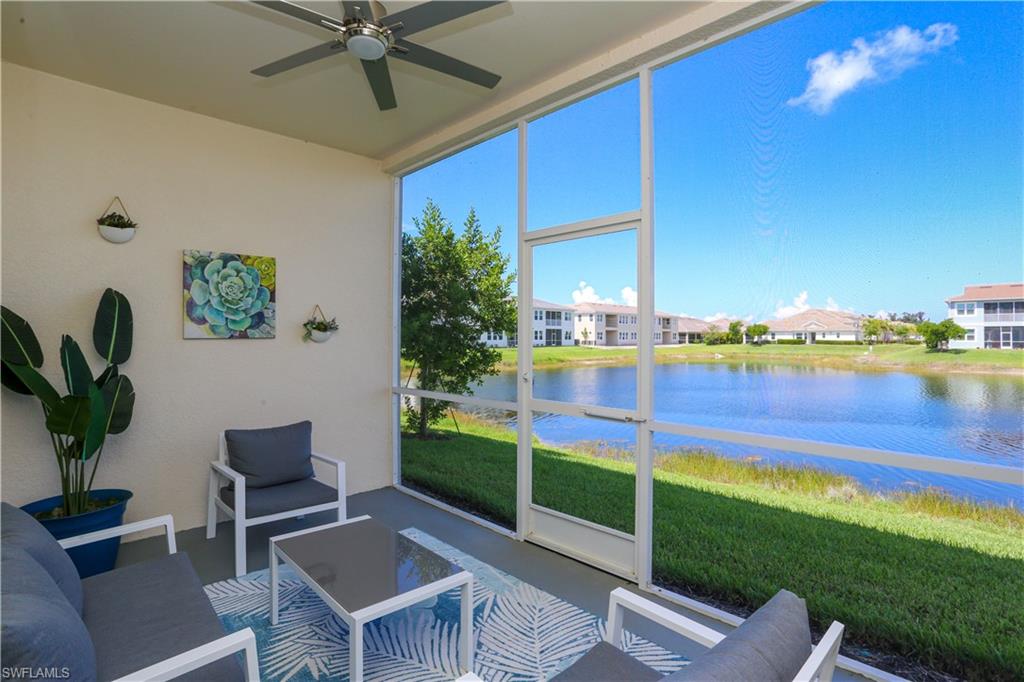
x=117, y=235
x=114, y=227
x=319, y=329
x=317, y=336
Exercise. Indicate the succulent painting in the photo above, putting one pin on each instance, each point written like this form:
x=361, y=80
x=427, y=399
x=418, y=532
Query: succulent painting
x=228, y=295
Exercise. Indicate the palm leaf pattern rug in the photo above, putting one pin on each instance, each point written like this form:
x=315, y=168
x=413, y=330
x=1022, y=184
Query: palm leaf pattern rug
x=521, y=633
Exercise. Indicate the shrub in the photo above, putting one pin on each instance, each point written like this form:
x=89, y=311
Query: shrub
x=791, y=342
x=838, y=342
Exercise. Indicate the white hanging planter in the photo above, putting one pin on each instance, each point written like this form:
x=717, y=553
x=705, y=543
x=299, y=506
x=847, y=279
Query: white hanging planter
x=317, y=336
x=117, y=235
x=112, y=233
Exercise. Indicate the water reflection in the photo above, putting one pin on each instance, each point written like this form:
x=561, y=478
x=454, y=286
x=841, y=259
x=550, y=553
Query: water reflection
x=960, y=416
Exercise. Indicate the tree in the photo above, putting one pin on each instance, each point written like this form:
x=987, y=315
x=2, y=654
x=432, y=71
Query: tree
x=903, y=331
x=586, y=335
x=715, y=336
x=874, y=329
x=937, y=336
x=758, y=331
x=455, y=288
x=909, y=318
x=735, y=333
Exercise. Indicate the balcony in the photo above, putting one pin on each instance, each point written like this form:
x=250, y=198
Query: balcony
x=1004, y=317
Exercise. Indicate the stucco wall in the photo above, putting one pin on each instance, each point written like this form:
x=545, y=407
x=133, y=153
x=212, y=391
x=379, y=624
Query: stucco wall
x=191, y=182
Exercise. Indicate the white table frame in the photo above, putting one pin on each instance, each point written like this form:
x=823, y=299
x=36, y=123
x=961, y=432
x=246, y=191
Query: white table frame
x=357, y=619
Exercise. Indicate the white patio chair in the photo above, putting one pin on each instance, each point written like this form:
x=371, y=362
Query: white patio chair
x=778, y=628
x=255, y=506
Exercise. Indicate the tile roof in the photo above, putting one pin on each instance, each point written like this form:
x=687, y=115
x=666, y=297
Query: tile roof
x=613, y=308
x=990, y=292
x=817, y=319
x=692, y=325
x=548, y=305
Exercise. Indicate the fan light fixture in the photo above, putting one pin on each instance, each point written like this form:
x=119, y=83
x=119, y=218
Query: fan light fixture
x=367, y=47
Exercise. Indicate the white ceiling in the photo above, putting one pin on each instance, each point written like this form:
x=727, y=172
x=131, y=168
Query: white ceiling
x=197, y=56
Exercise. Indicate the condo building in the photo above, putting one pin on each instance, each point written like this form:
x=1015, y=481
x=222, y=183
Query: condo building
x=992, y=314
x=610, y=324
x=552, y=326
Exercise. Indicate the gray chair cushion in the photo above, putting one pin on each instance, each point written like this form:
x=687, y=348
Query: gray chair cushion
x=269, y=457
x=143, y=613
x=280, y=498
x=39, y=629
x=772, y=644
x=19, y=529
x=605, y=662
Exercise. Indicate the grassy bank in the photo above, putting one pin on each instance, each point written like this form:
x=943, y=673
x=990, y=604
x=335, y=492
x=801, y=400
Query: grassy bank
x=884, y=357
x=921, y=576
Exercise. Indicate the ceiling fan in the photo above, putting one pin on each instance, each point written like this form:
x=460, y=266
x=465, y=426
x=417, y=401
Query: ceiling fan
x=372, y=37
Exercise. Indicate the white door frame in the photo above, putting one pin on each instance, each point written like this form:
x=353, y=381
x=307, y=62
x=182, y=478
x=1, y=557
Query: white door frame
x=621, y=553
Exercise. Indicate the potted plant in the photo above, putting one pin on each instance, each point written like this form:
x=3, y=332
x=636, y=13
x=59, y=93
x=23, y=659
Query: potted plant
x=115, y=227
x=319, y=329
x=79, y=423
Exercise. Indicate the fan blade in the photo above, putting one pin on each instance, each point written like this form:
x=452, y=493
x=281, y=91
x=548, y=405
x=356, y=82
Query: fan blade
x=331, y=47
x=301, y=13
x=379, y=76
x=422, y=17
x=417, y=54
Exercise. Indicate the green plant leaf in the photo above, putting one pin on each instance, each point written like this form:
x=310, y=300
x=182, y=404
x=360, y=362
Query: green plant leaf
x=77, y=374
x=97, y=431
x=11, y=381
x=106, y=375
x=69, y=417
x=18, y=345
x=112, y=330
x=119, y=398
x=34, y=383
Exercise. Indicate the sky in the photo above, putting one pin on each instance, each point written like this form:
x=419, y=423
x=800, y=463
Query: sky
x=857, y=156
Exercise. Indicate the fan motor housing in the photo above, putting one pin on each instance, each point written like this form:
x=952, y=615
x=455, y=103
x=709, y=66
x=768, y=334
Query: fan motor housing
x=368, y=41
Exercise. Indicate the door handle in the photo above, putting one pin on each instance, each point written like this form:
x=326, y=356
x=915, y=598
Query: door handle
x=627, y=419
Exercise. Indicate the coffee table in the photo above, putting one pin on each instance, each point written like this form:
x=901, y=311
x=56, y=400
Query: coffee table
x=364, y=570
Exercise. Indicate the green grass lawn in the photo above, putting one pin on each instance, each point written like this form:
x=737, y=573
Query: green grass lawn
x=886, y=356
x=941, y=584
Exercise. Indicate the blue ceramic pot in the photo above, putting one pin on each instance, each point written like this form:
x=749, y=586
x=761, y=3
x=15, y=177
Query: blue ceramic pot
x=95, y=557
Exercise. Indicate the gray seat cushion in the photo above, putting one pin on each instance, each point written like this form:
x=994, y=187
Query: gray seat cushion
x=272, y=456
x=772, y=644
x=143, y=613
x=19, y=530
x=605, y=662
x=39, y=629
x=280, y=498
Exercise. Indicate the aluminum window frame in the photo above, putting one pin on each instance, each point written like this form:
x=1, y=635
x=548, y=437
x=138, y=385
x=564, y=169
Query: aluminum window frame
x=642, y=221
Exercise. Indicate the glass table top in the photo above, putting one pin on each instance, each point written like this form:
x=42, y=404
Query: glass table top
x=364, y=563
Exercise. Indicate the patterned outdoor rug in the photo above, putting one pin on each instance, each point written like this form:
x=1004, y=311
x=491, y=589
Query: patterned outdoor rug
x=521, y=632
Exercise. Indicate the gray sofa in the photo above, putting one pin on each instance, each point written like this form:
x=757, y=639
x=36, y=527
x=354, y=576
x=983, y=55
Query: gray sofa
x=772, y=645
x=142, y=621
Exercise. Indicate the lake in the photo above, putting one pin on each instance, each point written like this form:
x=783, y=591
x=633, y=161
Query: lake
x=963, y=416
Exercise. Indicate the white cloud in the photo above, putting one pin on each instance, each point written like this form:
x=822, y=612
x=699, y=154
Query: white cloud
x=882, y=59
x=586, y=294
x=798, y=306
x=801, y=302
x=629, y=296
